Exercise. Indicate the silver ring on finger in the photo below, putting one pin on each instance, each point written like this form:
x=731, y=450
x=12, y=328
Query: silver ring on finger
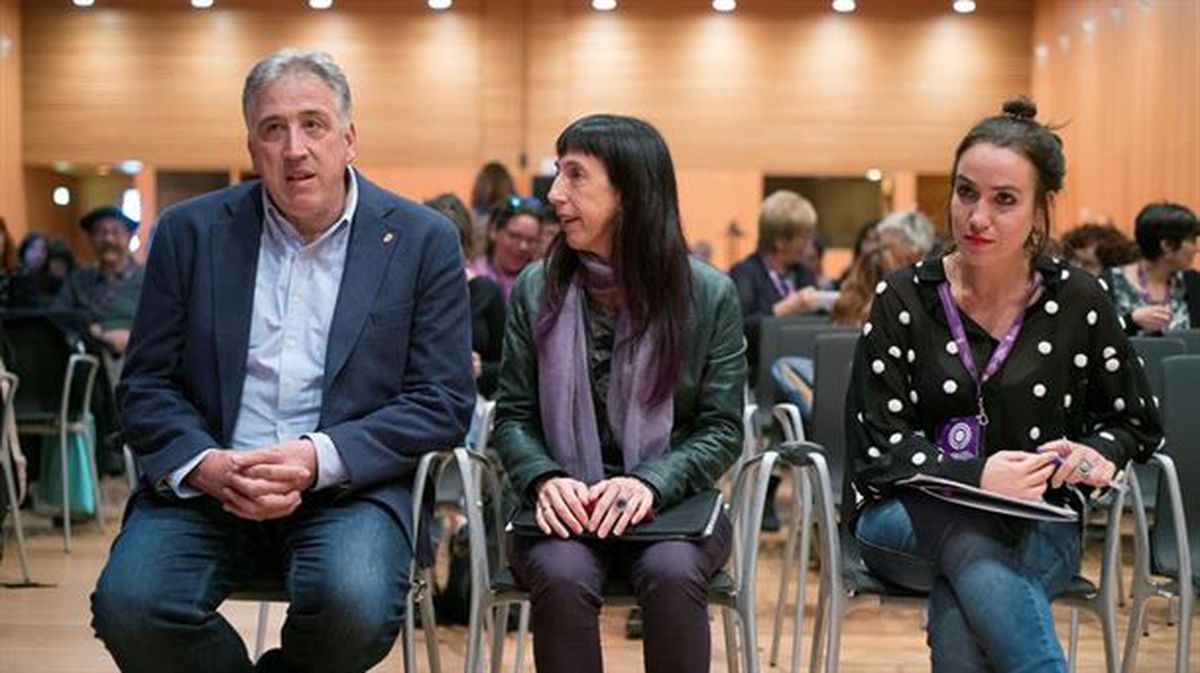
x=621, y=504
x=1085, y=467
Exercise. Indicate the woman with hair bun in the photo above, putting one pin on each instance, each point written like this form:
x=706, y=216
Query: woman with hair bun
x=1000, y=367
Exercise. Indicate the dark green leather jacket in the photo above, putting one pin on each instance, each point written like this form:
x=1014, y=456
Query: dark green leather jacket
x=707, y=435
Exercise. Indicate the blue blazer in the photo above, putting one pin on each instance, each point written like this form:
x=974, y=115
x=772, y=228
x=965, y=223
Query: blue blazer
x=398, y=362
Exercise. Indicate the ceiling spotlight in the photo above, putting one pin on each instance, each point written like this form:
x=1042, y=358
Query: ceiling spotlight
x=61, y=196
x=964, y=6
x=874, y=174
x=320, y=4
x=84, y=3
x=724, y=5
x=440, y=4
x=604, y=5
x=202, y=4
x=844, y=6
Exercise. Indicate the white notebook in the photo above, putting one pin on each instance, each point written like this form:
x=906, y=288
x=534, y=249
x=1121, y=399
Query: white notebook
x=972, y=496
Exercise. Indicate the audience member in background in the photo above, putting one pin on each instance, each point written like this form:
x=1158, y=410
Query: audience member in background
x=302, y=340
x=106, y=293
x=911, y=228
x=549, y=231
x=813, y=259
x=60, y=263
x=32, y=286
x=493, y=185
x=772, y=281
x=794, y=374
x=866, y=239
x=620, y=395
x=1162, y=291
x=994, y=330
x=513, y=239
x=1095, y=247
x=8, y=262
x=487, y=302
x=853, y=304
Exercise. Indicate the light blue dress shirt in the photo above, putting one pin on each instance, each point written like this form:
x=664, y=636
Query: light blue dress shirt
x=295, y=294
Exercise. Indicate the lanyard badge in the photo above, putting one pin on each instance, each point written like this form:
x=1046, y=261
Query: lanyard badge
x=961, y=438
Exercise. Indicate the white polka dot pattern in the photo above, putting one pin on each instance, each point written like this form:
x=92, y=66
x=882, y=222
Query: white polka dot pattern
x=950, y=386
x=877, y=366
x=1039, y=390
x=1045, y=348
x=1080, y=360
x=895, y=406
x=919, y=459
x=1051, y=307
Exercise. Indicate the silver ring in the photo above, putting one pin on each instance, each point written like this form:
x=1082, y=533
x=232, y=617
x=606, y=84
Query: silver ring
x=621, y=504
x=1085, y=467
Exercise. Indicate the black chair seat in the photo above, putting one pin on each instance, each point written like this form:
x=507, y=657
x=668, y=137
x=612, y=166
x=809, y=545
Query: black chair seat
x=721, y=584
x=1079, y=587
x=261, y=589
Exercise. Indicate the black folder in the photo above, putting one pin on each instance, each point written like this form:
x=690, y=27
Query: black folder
x=692, y=519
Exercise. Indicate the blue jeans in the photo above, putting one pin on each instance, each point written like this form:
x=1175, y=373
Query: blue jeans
x=344, y=567
x=794, y=376
x=989, y=577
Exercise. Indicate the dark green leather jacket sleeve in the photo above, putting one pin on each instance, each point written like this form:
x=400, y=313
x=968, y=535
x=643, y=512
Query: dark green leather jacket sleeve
x=707, y=435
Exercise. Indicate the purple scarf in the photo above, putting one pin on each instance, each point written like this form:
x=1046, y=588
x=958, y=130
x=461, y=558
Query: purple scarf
x=565, y=389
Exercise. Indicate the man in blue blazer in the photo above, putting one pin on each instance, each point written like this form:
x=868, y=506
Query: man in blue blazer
x=299, y=344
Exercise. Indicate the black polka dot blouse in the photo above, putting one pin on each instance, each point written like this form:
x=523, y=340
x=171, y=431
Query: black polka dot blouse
x=1072, y=373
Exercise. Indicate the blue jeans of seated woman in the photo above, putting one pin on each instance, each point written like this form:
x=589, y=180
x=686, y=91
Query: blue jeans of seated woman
x=989, y=577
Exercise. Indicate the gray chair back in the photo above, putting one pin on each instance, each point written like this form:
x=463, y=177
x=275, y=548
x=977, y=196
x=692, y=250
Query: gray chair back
x=834, y=358
x=1152, y=351
x=1181, y=428
x=792, y=335
x=1191, y=337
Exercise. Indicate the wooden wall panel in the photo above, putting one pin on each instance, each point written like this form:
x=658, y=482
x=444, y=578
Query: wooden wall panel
x=12, y=189
x=778, y=87
x=1124, y=77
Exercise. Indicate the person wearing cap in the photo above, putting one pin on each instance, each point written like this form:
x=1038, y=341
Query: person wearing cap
x=106, y=292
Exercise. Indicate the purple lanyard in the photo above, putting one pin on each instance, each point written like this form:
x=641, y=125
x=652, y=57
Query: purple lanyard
x=1003, y=350
x=1144, y=292
x=783, y=285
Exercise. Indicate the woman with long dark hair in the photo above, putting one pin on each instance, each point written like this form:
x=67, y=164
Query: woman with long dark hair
x=620, y=395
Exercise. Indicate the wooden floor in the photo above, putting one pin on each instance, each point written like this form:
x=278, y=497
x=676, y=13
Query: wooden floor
x=44, y=630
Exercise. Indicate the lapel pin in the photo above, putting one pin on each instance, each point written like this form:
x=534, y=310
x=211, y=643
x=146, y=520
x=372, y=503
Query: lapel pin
x=388, y=238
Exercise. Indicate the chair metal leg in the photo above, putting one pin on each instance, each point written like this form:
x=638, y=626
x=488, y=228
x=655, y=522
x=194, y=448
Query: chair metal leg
x=499, y=626
x=260, y=638
x=1137, y=617
x=11, y=486
x=1073, y=640
x=429, y=623
x=749, y=639
x=728, y=615
x=131, y=475
x=789, y=555
x=806, y=524
x=66, y=487
x=1183, y=642
x=409, y=639
x=94, y=473
x=818, y=638
x=522, y=630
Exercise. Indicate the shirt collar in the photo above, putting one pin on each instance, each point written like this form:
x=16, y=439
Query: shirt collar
x=930, y=269
x=279, y=228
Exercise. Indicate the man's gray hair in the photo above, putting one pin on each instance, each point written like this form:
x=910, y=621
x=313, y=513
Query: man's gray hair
x=293, y=61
